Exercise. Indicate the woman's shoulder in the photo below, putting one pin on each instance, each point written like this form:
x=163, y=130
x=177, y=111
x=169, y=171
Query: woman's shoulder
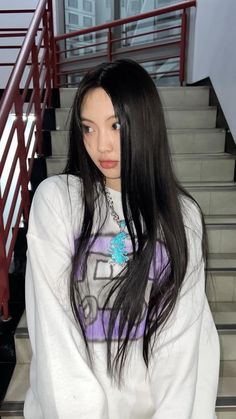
x=59, y=188
x=58, y=199
x=59, y=196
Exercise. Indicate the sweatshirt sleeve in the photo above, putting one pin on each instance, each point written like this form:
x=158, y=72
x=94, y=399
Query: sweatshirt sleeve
x=185, y=362
x=61, y=381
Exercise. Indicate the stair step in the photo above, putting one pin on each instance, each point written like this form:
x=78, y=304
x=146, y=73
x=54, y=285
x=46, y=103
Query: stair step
x=224, y=313
x=221, y=286
x=196, y=140
x=206, y=167
x=221, y=262
x=180, y=141
x=187, y=166
x=221, y=238
x=215, y=199
x=176, y=118
x=170, y=96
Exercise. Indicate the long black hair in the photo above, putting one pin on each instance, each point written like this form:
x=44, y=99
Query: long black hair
x=150, y=198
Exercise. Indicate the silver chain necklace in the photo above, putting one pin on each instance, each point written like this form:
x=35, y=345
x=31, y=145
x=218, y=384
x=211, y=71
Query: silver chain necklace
x=117, y=248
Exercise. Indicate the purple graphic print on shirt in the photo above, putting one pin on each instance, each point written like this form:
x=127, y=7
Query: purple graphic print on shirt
x=95, y=319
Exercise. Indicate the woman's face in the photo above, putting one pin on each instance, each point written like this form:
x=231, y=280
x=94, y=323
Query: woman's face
x=101, y=134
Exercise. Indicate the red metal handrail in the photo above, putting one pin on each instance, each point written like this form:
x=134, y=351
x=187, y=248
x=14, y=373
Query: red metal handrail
x=21, y=108
x=110, y=41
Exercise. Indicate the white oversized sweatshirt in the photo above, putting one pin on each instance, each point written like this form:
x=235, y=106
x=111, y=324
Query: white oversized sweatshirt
x=182, y=379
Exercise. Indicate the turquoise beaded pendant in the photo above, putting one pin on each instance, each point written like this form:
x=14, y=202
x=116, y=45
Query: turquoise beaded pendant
x=117, y=248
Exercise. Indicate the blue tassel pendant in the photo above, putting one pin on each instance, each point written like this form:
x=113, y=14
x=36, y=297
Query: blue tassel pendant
x=117, y=248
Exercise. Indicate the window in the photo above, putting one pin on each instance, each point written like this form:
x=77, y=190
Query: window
x=73, y=3
x=87, y=21
x=87, y=6
x=136, y=6
x=73, y=19
x=88, y=37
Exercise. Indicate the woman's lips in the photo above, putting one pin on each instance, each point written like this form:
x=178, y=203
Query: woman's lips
x=108, y=164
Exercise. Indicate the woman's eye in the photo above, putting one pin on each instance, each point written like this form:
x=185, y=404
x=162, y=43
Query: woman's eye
x=87, y=129
x=116, y=126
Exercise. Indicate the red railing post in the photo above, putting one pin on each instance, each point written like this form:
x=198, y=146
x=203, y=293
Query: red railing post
x=22, y=156
x=47, y=56
x=109, y=44
x=52, y=45
x=37, y=99
x=4, y=283
x=183, y=46
x=56, y=64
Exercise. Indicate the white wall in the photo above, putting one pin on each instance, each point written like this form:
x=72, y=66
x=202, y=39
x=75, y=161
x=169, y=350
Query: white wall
x=212, y=52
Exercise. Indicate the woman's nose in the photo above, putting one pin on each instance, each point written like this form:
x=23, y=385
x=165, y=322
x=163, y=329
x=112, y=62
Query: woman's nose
x=104, y=143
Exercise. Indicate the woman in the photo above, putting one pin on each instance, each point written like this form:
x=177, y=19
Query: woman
x=119, y=322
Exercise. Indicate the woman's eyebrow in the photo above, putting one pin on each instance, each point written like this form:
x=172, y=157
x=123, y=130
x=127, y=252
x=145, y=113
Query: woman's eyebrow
x=83, y=118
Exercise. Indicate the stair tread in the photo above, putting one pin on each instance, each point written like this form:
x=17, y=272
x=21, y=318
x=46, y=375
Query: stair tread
x=194, y=156
x=220, y=219
x=210, y=185
x=166, y=108
x=202, y=156
x=170, y=130
x=169, y=88
x=221, y=262
x=225, y=307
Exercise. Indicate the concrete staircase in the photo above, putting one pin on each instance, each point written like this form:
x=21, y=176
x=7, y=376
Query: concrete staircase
x=208, y=174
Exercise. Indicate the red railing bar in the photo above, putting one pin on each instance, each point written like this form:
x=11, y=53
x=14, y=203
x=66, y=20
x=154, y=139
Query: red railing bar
x=12, y=208
x=166, y=72
x=53, y=61
x=165, y=75
x=12, y=11
x=8, y=65
x=39, y=43
x=13, y=29
x=47, y=56
x=22, y=154
x=109, y=44
x=30, y=105
x=164, y=58
x=144, y=33
x=118, y=22
x=10, y=177
x=14, y=235
x=31, y=160
x=27, y=83
x=45, y=100
x=78, y=59
x=83, y=46
x=11, y=35
x=36, y=88
x=7, y=147
x=183, y=47
x=131, y=49
x=42, y=84
x=28, y=144
x=42, y=62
